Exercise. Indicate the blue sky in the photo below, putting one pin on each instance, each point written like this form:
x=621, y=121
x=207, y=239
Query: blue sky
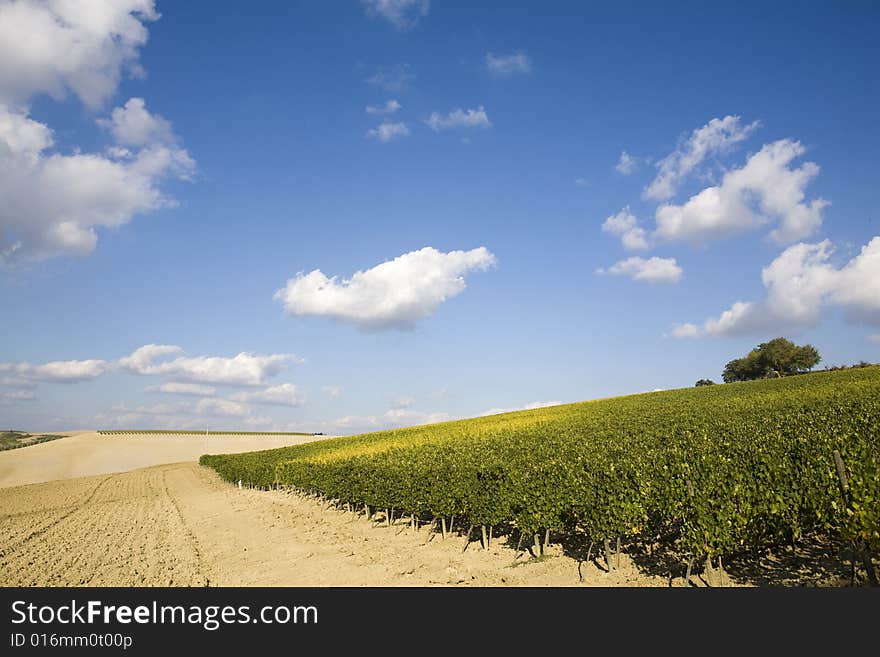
x=565, y=202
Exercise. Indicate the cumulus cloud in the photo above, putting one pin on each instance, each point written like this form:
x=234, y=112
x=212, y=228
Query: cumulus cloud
x=54, y=203
x=390, y=107
x=874, y=338
x=133, y=125
x=394, y=294
x=800, y=283
x=245, y=369
x=651, y=270
x=686, y=330
x=581, y=182
x=506, y=65
x=626, y=164
x=332, y=392
x=14, y=381
x=183, y=389
x=458, y=118
x=386, y=131
x=766, y=189
x=58, y=46
x=14, y=396
x=404, y=401
x=716, y=137
x=625, y=226
x=60, y=371
x=183, y=415
x=285, y=394
x=402, y=14
x=396, y=417
x=527, y=407
x=221, y=407
x=395, y=78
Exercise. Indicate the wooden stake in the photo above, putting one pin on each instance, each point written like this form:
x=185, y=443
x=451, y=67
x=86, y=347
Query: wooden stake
x=490, y=535
x=687, y=577
x=536, y=539
x=617, y=554
x=547, y=538
x=451, y=523
x=608, y=563
x=484, y=541
x=467, y=539
x=443, y=527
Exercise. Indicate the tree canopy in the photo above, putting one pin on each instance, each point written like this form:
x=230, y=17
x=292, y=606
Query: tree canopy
x=779, y=357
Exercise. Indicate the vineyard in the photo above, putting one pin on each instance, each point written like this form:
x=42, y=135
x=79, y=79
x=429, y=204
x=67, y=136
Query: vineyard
x=183, y=432
x=712, y=471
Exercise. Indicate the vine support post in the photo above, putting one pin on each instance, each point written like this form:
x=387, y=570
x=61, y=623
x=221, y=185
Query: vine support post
x=608, y=562
x=862, y=546
x=443, y=528
x=467, y=539
x=484, y=540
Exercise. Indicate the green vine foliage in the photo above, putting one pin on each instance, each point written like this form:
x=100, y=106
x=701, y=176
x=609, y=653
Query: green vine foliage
x=716, y=469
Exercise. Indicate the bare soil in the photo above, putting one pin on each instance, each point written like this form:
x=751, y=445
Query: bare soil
x=179, y=524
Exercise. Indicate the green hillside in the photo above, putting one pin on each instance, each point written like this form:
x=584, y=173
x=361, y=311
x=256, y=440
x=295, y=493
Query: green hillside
x=715, y=469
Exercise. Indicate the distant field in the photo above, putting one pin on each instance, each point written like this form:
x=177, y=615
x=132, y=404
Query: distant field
x=196, y=432
x=87, y=453
x=713, y=470
x=17, y=439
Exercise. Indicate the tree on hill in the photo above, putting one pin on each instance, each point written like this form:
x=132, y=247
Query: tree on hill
x=704, y=382
x=777, y=358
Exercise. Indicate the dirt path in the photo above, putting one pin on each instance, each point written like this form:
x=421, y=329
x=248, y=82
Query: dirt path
x=181, y=525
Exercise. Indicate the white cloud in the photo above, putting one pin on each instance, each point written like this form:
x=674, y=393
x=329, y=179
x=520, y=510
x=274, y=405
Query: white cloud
x=527, y=407
x=394, y=294
x=244, y=369
x=221, y=407
x=15, y=381
x=183, y=389
x=183, y=415
x=408, y=417
x=133, y=125
x=386, y=131
x=58, y=46
x=765, y=189
x=625, y=226
x=626, y=164
x=392, y=79
x=396, y=417
x=402, y=14
x=332, y=391
x=874, y=338
x=259, y=421
x=61, y=371
x=505, y=65
x=285, y=394
x=686, y=330
x=651, y=270
x=581, y=182
x=390, y=107
x=53, y=203
x=800, y=283
x=402, y=402
x=457, y=118
x=14, y=396
x=717, y=136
